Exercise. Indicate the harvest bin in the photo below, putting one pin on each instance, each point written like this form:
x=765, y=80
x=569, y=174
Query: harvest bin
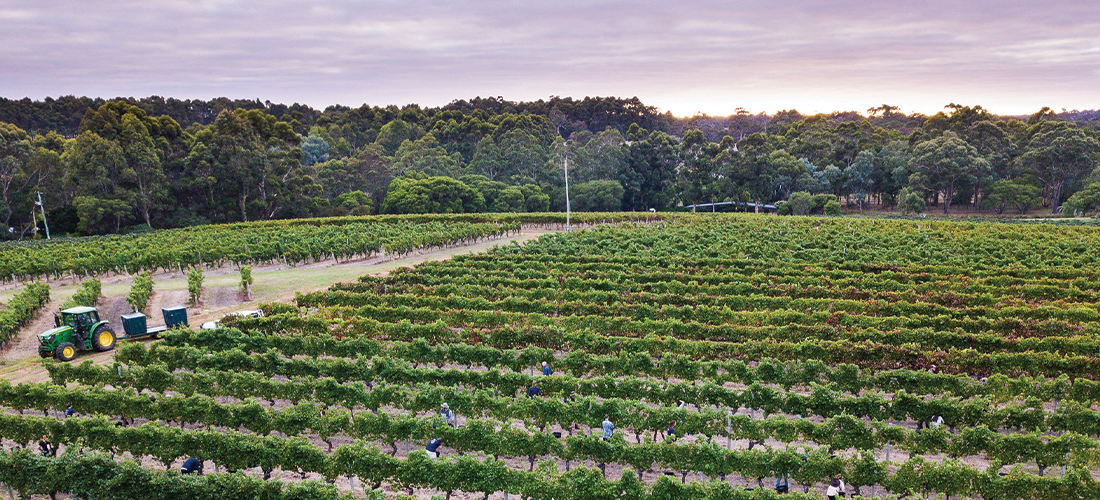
x=134, y=324
x=174, y=316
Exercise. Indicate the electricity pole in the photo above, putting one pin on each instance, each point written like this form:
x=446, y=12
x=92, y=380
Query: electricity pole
x=43, y=207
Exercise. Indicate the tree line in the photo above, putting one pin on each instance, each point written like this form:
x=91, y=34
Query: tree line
x=127, y=164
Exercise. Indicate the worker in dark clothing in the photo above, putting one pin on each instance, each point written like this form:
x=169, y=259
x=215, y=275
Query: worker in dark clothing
x=546, y=369
x=192, y=465
x=46, y=447
x=433, y=447
x=69, y=410
x=534, y=390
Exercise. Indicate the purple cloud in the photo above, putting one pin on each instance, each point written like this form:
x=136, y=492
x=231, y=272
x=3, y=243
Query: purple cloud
x=1010, y=56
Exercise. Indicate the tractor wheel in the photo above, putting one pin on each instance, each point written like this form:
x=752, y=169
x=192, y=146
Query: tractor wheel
x=45, y=354
x=66, y=351
x=103, y=339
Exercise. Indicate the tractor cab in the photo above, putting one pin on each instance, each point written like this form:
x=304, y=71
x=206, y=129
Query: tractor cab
x=80, y=319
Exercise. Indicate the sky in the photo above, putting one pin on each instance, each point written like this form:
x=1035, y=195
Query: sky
x=687, y=57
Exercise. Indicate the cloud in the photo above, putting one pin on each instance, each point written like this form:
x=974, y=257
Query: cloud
x=1011, y=56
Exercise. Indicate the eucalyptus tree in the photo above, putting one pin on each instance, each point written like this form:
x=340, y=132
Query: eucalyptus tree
x=948, y=161
x=1059, y=155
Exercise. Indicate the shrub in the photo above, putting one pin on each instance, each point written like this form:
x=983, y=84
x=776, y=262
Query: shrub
x=194, y=284
x=911, y=202
x=88, y=294
x=246, y=280
x=802, y=202
x=820, y=200
x=1085, y=201
x=832, y=208
x=140, y=291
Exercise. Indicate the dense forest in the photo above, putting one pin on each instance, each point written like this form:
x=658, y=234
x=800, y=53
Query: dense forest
x=105, y=166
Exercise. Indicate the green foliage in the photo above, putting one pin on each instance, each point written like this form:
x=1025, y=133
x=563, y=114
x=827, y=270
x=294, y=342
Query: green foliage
x=21, y=309
x=426, y=157
x=356, y=202
x=1059, y=155
x=534, y=200
x=194, y=284
x=87, y=295
x=92, y=474
x=291, y=241
x=596, y=196
x=860, y=177
x=820, y=200
x=314, y=150
x=948, y=161
x=784, y=207
x=911, y=202
x=1007, y=193
x=246, y=279
x=1085, y=200
x=832, y=208
x=802, y=203
x=140, y=291
x=431, y=195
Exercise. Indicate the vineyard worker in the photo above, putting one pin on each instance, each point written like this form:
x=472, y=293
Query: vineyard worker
x=433, y=447
x=546, y=369
x=447, y=414
x=671, y=431
x=69, y=410
x=833, y=490
x=534, y=390
x=191, y=466
x=781, y=485
x=46, y=447
x=937, y=421
x=608, y=427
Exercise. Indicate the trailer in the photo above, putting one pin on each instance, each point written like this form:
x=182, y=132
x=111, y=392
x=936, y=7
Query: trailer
x=134, y=324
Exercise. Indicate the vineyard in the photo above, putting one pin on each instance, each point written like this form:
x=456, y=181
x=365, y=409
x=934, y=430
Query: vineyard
x=287, y=241
x=778, y=348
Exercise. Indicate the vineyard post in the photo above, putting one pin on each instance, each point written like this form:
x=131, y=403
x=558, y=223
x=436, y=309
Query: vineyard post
x=729, y=429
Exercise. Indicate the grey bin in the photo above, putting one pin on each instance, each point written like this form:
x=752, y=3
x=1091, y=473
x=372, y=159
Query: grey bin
x=134, y=324
x=174, y=316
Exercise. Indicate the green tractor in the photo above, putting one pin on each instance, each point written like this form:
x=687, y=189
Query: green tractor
x=77, y=328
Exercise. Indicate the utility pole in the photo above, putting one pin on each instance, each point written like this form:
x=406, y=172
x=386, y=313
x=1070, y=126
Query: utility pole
x=43, y=207
x=567, y=208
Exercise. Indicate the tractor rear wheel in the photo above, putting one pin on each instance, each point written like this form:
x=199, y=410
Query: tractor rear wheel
x=66, y=351
x=103, y=339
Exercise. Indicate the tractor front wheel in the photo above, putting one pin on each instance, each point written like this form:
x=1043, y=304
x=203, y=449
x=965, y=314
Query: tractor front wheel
x=45, y=354
x=103, y=339
x=66, y=351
